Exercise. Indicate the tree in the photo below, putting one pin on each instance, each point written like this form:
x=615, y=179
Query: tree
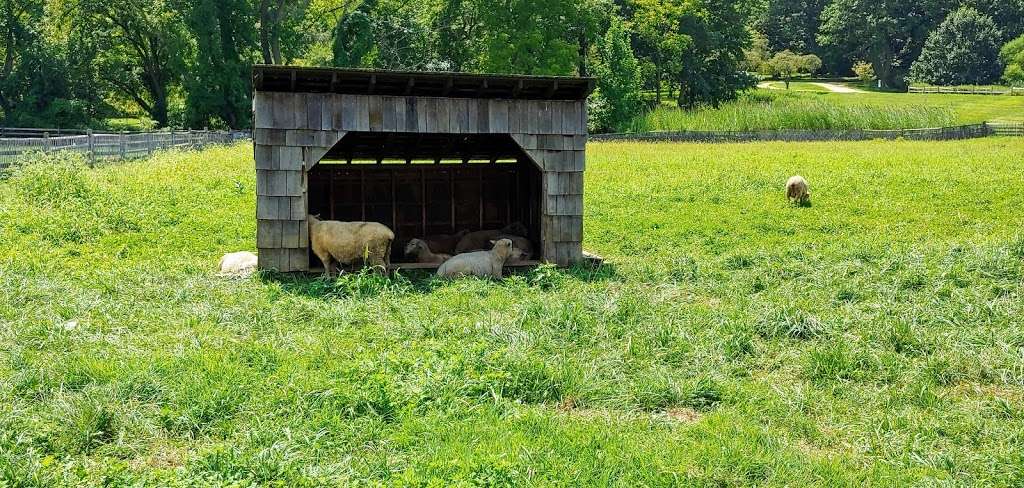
x=964, y=49
x=527, y=36
x=140, y=46
x=888, y=33
x=788, y=64
x=279, y=28
x=1012, y=55
x=660, y=40
x=618, y=79
x=383, y=34
x=710, y=67
x=217, y=81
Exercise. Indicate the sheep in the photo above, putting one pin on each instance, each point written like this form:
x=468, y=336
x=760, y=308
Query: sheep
x=796, y=190
x=477, y=241
x=421, y=250
x=240, y=264
x=522, y=248
x=445, y=243
x=480, y=263
x=349, y=242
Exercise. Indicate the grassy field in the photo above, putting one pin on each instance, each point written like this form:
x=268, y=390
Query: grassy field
x=799, y=108
x=732, y=340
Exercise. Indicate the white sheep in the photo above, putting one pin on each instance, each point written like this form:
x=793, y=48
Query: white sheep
x=797, y=191
x=480, y=263
x=239, y=264
x=421, y=250
x=347, y=243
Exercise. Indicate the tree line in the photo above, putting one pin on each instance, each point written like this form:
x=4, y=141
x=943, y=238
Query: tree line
x=186, y=63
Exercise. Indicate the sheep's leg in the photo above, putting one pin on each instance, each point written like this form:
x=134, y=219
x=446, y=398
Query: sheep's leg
x=325, y=258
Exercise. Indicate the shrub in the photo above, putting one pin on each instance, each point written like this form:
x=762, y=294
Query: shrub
x=1012, y=55
x=865, y=72
x=963, y=50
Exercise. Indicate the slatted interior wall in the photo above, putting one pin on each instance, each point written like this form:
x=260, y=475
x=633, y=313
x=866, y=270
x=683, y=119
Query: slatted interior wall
x=294, y=130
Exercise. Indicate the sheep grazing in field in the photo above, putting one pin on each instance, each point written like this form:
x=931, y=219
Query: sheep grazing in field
x=421, y=250
x=479, y=240
x=347, y=243
x=445, y=243
x=480, y=263
x=240, y=264
x=796, y=190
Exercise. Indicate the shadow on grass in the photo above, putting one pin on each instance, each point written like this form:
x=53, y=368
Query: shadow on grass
x=368, y=283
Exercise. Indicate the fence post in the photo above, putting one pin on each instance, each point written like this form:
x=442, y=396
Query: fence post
x=121, y=140
x=92, y=148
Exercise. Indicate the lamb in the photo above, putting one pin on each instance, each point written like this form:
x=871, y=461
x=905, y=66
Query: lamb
x=796, y=190
x=421, y=250
x=481, y=263
x=445, y=243
x=239, y=264
x=349, y=242
x=476, y=241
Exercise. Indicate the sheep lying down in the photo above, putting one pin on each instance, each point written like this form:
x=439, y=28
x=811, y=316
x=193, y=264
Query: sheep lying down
x=347, y=243
x=480, y=263
x=239, y=264
x=423, y=254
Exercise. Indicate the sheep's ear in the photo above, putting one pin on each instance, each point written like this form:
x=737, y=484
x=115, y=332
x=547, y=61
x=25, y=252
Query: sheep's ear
x=493, y=242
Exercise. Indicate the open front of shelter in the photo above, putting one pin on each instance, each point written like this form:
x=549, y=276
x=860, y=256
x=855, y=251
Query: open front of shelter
x=423, y=153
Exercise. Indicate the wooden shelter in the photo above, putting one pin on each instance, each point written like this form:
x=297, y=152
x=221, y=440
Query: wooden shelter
x=423, y=153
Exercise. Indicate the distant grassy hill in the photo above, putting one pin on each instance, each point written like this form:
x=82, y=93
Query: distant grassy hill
x=808, y=106
x=733, y=339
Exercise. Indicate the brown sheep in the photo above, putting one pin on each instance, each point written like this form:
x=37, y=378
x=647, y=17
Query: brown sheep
x=480, y=240
x=797, y=190
x=347, y=243
x=421, y=250
x=445, y=243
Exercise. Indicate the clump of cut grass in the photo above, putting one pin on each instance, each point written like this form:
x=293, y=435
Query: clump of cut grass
x=788, y=112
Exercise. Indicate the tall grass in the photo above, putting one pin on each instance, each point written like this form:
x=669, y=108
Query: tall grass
x=763, y=111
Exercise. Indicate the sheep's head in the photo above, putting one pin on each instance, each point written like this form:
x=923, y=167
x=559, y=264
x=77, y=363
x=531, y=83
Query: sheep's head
x=503, y=248
x=414, y=247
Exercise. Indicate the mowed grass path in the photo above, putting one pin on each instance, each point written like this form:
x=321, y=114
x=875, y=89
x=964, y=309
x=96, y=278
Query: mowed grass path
x=733, y=339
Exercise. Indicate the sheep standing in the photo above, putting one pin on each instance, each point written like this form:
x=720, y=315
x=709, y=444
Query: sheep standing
x=480, y=263
x=479, y=240
x=346, y=243
x=239, y=264
x=421, y=250
x=445, y=243
x=797, y=191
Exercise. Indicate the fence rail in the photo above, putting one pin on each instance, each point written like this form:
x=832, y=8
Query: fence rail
x=968, y=90
x=106, y=146
x=1007, y=128
x=931, y=134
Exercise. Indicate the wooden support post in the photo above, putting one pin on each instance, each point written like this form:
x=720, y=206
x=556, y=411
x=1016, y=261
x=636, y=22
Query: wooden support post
x=480, y=194
x=423, y=201
x=92, y=148
x=362, y=193
x=47, y=146
x=123, y=146
x=451, y=195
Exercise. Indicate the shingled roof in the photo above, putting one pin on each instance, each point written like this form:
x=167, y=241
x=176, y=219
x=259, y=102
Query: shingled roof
x=426, y=84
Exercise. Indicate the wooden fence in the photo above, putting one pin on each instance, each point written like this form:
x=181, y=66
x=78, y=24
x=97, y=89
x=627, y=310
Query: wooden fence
x=106, y=146
x=933, y=134
x=968, y=90
x=1007, y=128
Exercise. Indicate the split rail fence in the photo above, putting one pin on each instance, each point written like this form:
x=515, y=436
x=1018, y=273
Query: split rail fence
x=105, y=146
x=968, y=90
